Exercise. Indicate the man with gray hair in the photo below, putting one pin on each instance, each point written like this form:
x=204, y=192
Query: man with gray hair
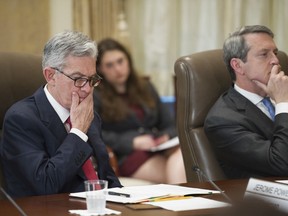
x=248, y=125
x=50, y=138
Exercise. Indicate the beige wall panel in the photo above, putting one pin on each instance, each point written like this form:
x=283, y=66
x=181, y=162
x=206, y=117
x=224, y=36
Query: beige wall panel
x=24, y=25
x=96, y=18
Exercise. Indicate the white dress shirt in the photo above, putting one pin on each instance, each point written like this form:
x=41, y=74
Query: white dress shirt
x=257, y=100
x=63, y=114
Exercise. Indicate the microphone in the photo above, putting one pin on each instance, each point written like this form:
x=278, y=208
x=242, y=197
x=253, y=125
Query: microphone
x=201, y=173
x=13, y=202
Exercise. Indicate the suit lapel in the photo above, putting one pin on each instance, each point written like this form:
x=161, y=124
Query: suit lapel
x=260, y=121
x=49, y=117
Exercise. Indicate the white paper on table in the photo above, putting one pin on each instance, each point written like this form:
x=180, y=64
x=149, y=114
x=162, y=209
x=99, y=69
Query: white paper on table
x=169, y=144
x=84, y=212
x=282, y=181
x=194, y=203
x=144, y=192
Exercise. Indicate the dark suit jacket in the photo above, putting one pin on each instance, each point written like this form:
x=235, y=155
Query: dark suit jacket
x=39, y=157
x=119, y=135
x=246, y=141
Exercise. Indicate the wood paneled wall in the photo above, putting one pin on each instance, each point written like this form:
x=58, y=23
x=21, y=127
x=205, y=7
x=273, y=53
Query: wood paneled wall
x=24, y=25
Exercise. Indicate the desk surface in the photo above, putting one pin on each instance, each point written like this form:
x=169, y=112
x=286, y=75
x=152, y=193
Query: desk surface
x=59, y=204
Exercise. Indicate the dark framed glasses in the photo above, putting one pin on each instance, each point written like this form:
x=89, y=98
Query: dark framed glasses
x=81, y=81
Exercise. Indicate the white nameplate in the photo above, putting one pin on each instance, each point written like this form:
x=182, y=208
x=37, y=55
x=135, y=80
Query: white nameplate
x=272, y=192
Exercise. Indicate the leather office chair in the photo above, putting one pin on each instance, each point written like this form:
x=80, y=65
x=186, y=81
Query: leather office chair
x=20, y=76
x=200, y=79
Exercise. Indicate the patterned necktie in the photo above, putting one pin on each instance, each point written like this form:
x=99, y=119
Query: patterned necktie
x=268, y=104
x=87, y=167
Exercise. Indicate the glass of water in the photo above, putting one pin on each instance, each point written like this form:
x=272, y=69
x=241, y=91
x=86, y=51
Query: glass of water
x=96, y=191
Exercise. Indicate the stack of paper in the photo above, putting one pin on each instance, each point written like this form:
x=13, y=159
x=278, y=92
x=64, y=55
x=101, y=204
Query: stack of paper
x=149, y=193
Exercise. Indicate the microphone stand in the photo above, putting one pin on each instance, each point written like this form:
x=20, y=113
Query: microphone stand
x=201, y=173
x=13, y=202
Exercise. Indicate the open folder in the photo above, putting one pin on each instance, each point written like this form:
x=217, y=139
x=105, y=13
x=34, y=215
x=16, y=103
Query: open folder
x=149, y=193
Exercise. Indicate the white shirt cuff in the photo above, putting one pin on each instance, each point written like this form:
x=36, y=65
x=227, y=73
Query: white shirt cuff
x=281, y=108
x=79, y=133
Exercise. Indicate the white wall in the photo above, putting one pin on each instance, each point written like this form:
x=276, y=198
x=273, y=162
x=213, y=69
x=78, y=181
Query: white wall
x=60, y=16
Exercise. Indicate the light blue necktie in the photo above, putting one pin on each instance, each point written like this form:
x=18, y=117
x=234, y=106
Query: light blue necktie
x=271, y=109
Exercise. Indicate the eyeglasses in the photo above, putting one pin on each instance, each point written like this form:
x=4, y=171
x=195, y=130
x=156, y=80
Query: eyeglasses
x=81, y=81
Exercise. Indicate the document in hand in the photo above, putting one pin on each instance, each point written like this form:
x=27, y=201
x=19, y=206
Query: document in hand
x=149, y=193
x=166, y=145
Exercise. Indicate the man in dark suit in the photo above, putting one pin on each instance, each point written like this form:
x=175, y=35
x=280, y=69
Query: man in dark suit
x=42, y=151
x=248, y=141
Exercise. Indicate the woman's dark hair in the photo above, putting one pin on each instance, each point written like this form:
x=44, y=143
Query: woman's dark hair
x=114, y=108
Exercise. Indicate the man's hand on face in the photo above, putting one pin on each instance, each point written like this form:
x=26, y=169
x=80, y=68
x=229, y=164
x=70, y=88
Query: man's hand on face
x=81, y=113
x=277, y=86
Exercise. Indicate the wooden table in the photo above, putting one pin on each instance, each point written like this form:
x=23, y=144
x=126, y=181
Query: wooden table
x=59, y=204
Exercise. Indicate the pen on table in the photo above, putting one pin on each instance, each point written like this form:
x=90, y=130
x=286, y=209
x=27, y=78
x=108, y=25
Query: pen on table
x=118, y=194
x=150, y=199
x=170, y=198
x=200, y=194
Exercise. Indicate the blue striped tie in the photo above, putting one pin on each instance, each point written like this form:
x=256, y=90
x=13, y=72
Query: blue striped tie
x=271, y=109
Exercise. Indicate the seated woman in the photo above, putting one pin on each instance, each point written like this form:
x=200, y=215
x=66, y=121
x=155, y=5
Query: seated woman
x=134, y=119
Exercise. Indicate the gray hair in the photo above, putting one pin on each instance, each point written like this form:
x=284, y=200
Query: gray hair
x=64, y=44
x=235, y=45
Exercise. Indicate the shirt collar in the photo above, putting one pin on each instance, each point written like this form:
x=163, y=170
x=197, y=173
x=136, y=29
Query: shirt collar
x=254, y=98
x=60, y=110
